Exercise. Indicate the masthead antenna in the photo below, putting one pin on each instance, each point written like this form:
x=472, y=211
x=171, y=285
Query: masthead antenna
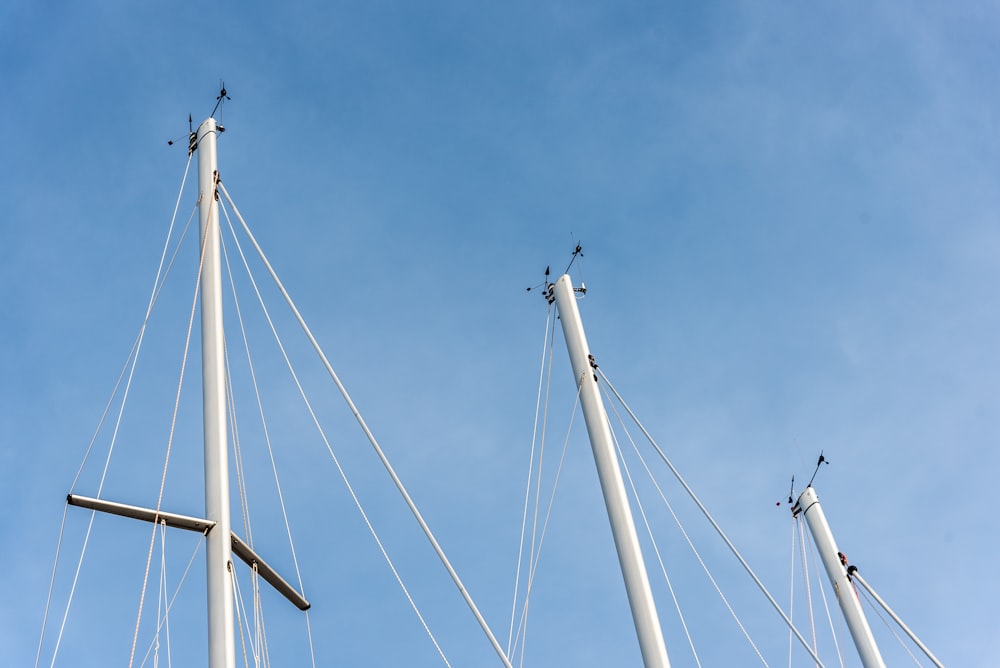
x=577, y=252
x=822, y=460
x=220, y=98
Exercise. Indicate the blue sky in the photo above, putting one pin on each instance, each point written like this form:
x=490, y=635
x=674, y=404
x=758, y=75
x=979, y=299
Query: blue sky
x=788, y=214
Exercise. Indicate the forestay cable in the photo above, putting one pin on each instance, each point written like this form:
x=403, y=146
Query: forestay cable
x=371, y=437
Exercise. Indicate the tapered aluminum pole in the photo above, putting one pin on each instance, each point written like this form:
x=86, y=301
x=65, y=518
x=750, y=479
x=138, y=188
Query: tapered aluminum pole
x=221, y=641
x=640, y=596
x=847, y=597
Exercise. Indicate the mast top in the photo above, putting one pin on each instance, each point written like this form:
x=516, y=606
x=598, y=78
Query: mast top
x=209, y=125
x=193, y=136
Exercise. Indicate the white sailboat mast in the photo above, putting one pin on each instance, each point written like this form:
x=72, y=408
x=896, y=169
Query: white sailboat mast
x=836, y=569
x=640, y=595
x=221, y=641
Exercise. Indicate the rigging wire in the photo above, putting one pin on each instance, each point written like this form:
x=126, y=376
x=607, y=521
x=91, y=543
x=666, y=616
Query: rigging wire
x=265, y=651
x=312, y=654
x=166, y=611
x=260, y=408
x=72, y=590
x=256, y=386
x=806, y=576
x=329, y=449
x=708, y=516
x=133, y=357
x=864, y=596
x=645, y=521
x=264, y=425
x=857, y=579
x=239, y=608
x=549, y=325
x=522, y=631
x=234, y=430
x=258, y=644
x=129, y=366
x=364, y=515
x=161, y=592
x=177, y=590
x=534, y=547
x=370, y=436
x=170, y=442
x=687, y=537
x=258, y=616
x=791, y=583
x=235, y=442
x=52, y=580
x=822, y=592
